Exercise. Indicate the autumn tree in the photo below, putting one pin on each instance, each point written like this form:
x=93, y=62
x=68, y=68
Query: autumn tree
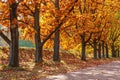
x=11, y=8
x=56, y=56
x=114, y=35
x=36, y=10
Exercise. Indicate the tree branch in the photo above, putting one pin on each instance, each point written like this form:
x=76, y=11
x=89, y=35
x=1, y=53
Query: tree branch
x=89, y=37
x=23, y=22
x=28, y=8
x=4, y=19
x=59, y=25
x=116, y=37
x=90, y=43
x=52, y=32
x=67, y=33
x=5, y=37
x=52, y=1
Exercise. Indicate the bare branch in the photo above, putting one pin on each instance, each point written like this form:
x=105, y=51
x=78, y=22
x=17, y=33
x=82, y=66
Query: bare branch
x=28, y=8
x=23, y=22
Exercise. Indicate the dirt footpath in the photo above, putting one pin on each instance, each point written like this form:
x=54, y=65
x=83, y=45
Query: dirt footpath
x=109, y=71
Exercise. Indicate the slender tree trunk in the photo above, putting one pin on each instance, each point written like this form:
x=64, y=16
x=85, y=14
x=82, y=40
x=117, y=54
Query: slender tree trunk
x=118, y=52
x=107, y=53
x=39, y=48
x=103, y=49
x=14, y=49
x=56, y=56
x=99, y=50
x=113, y=50
x=84, y=42
x=40, y=60
x=83, y=57
x=38, y=44
x=56, y=46
x=95, y=49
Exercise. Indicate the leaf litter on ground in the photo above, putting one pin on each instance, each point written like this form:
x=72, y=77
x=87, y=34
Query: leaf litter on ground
x=28, y=70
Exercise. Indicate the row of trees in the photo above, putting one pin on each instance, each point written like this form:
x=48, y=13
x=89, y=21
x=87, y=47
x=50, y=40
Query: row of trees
x=64, y=22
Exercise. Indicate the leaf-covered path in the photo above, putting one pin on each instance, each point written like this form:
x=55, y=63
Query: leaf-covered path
x=109, y=71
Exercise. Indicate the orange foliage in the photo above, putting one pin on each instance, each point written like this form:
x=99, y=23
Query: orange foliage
x=93, y=16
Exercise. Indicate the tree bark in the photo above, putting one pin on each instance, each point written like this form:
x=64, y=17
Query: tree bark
x=107, y=53
x=118, y=52
x=56, y=46
x=113, y=50
x=99, y=50
x=56, y=56
x=95, y=49
x=83, y=56
x=103, y=49
x=14, y=48
x=38, y=44
x=84, y=42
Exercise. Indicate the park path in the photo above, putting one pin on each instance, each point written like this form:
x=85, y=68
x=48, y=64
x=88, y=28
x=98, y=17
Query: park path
x=109, y=71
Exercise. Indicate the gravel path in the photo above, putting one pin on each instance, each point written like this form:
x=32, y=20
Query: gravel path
x=109, y=71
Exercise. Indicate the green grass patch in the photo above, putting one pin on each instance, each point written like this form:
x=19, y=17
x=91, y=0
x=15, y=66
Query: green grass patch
x=24, y=43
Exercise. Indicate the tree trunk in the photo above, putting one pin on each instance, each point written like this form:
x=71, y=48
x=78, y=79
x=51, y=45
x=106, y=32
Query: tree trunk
x=103, y=49
x=83, y=57
x=99, y=50
x=56, y=56
x=56, y=46
x=95, y=49
x=39, y=47
x=118, y=52
x=84, y=42
x=107, y=54
x=14, y=48
x=113, y=50
x=38, y=44
x=39, y=54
